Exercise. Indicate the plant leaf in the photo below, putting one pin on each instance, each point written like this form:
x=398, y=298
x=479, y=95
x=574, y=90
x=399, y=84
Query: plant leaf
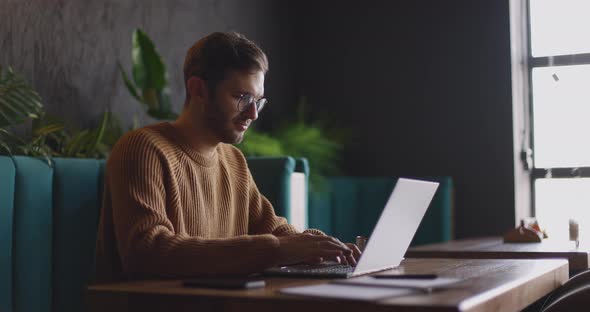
x=136, y=123
x=149, y=70
x=5, y=147
x=113, y=131
x=73, y=147
x=18, y=101
x=150, y=99
x=98, y=135
x=7, y=116
x=5, y=136
x=128, y=83
x=48, y=129
x=164, y=107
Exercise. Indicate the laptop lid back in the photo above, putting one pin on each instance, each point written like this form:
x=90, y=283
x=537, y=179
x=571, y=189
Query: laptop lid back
x=397, y=225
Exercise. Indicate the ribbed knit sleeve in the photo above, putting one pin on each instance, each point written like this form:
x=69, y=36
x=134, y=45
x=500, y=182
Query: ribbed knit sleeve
x=150, y=230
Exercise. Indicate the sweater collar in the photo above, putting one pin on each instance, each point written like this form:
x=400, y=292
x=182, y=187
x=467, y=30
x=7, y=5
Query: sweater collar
x=199, y=158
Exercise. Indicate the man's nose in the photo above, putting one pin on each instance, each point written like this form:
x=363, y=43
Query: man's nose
x=251, y=112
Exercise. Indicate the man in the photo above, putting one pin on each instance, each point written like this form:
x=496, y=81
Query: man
x=179, y=199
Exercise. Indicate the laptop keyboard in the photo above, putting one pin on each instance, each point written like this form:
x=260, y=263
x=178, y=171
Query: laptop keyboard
x=320, y=269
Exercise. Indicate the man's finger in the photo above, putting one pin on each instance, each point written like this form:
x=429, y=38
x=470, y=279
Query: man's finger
x=356, y=252
x=335, y=242
x=333, y=245
x=351, y=261
x=329, y=254
x=346, y=246
x=343, y=245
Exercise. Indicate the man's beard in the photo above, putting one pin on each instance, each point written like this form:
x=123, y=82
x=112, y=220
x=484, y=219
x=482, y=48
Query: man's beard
x=217, y=121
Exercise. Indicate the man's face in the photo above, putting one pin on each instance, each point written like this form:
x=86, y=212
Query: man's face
x=222, y=114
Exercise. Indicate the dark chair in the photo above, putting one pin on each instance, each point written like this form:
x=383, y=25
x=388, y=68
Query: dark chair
x=577, y=299
x=574, y=295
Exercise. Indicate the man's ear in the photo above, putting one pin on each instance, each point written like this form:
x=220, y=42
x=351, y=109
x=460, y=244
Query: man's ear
x=196, y=87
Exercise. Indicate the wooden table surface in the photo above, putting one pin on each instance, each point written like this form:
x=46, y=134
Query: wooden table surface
x=495, y=248
x=487, y=285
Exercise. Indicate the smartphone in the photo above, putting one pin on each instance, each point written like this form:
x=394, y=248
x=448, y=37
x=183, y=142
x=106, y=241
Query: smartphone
x=224, y=282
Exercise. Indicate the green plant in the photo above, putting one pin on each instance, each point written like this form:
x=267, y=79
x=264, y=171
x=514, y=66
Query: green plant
x=299, y=139
x=310, y=141
x=87, y=143
x=18, y=100
x=49, y=136
x=52, y=139
x=257, y=143
x=150, y=83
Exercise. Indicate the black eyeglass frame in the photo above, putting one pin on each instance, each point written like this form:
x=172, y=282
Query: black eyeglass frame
x=247, y=99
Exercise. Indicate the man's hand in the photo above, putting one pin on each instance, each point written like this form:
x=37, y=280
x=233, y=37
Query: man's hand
x=313, y=248
x=350, y=259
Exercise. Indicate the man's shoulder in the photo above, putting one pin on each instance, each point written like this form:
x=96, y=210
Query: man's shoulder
x=153, y=134
x=144, y=140
x=233, y=156
x=231, y=150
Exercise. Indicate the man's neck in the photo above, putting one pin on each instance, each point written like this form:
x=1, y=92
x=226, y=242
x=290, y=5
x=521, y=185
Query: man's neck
x=198, y=137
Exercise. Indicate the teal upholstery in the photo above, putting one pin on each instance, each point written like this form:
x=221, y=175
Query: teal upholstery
x=437, y=225
x=48, y=222
x=76, y=205
x=272, y=174
x=351, y=206
x=7, y=179
x=32, y=238
x=320, y=212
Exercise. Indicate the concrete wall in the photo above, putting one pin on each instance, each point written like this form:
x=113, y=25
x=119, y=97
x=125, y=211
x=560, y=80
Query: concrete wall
x=69, y=49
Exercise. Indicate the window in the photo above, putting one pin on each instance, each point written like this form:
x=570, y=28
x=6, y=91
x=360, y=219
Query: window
x=559, y=79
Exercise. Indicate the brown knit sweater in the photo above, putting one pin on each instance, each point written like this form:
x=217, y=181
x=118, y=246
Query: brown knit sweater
x=169, y=211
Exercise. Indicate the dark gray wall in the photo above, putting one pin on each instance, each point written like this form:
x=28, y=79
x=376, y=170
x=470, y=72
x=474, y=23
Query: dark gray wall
x=426, y=86
x=68, y=49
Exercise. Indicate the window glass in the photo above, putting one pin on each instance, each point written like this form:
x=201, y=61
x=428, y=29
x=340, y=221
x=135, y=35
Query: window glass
x=559, y=27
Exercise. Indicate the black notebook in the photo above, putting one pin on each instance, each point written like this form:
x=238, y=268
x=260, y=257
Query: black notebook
x=224, y=282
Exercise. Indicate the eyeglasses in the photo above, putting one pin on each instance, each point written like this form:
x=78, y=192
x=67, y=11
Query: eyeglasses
x=248, y=99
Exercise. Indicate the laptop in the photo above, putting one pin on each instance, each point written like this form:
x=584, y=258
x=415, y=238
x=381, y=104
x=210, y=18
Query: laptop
x=389, y=241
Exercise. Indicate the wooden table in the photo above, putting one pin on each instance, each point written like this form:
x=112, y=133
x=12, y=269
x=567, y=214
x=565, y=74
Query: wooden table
x=488, y=285
x=495, y=248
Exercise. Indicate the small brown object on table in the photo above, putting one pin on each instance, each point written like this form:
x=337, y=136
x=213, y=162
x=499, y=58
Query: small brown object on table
x=487, y=285
x=523, y=234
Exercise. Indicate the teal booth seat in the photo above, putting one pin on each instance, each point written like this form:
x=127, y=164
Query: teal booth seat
x=272, y=176
x=76, y=206
x=7, y=180
x=48, y=223
x=351, y=206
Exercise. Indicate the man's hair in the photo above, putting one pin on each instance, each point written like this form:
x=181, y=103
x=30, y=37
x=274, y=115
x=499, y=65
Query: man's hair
x=215, y=55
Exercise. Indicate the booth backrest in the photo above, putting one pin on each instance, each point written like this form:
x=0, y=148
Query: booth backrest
x=7, y=179
x=272, y=176
x=351, y=206
x=48, y=222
